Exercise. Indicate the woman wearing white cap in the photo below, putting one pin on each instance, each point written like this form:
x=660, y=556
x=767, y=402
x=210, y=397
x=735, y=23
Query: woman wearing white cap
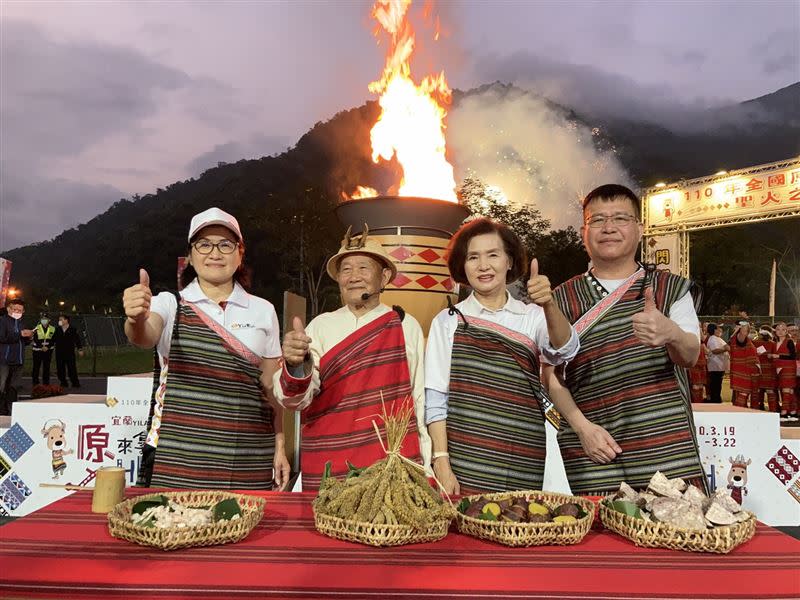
x=210, y=420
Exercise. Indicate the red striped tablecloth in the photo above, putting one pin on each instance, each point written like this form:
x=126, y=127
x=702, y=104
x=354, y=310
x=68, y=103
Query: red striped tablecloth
x=65, y=551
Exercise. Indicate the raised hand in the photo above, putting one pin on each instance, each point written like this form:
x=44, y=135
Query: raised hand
x=650, y=326
x=295, y=344
x=539, y=289
x=136, y=299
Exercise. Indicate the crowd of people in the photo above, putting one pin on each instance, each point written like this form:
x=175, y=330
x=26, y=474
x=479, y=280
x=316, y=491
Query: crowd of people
x=45, y=339
x=598, y=353
x=763, y=364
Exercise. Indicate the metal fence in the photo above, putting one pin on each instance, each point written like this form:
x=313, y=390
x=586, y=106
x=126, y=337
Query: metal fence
x=100, y=330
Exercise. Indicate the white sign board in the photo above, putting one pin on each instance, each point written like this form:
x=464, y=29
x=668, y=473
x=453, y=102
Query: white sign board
x=663, y=251
x=64, y=440
x=743, y=452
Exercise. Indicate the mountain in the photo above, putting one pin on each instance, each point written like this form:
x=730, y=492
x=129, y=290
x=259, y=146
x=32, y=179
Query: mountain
x=284, y=203
x=758, y=131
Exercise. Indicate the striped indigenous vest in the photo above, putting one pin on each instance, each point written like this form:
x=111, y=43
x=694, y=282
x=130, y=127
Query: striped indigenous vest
x=216, y=427
x=634, y=391
x=368, y=367
x=744, y=366
x=495, y=423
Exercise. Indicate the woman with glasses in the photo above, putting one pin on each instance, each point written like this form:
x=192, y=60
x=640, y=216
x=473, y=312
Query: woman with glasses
x=211, y=423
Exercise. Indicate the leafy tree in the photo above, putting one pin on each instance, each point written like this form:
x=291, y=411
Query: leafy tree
x=560, y=252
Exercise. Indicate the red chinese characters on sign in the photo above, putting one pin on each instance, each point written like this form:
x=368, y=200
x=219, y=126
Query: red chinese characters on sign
x=770, y=198
x=755, y=184
x=776, y=180
x=744, y=201
x=92, y=442
x=794, y=177
x=794, y=194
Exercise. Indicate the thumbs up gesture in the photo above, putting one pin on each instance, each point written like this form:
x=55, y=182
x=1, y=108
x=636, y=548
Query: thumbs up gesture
x=539, y=289
x=650, y=325
x=136, y=299
x=295, y=344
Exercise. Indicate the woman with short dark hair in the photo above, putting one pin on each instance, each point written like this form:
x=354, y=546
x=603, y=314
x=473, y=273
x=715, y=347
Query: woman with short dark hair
x=484, y=403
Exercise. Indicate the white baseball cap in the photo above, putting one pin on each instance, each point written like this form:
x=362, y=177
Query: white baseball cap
x=214, y=216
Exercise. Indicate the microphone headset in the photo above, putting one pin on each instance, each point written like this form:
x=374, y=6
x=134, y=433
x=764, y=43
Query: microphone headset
x=365, y=296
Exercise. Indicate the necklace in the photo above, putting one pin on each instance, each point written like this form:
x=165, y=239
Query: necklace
x=595, y=283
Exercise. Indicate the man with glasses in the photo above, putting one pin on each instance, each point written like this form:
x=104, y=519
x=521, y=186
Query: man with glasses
x=639, y=332
x=13, y=339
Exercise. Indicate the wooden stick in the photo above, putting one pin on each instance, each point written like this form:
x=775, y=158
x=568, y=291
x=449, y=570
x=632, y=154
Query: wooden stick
x=66, y=487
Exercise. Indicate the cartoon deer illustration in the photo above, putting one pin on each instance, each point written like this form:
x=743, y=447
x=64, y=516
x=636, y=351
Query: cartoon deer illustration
x=737, y=476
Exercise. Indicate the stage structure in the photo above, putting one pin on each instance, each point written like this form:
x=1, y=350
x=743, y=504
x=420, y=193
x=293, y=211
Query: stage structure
x=753, y=195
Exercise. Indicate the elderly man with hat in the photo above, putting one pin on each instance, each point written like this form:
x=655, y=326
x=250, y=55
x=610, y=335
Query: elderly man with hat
x=211, y=424
x=345, y=363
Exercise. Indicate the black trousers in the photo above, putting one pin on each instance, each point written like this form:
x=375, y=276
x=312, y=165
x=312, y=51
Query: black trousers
x=10, y=376
x=41, y=361
x=715, y=386
x=67, y=365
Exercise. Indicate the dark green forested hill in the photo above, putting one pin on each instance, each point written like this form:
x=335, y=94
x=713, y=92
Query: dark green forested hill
x=284, y=204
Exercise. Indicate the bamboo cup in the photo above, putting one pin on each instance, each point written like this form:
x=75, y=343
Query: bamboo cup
x=109, y=489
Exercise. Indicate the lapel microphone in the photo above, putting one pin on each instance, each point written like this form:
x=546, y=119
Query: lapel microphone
x=365, y=296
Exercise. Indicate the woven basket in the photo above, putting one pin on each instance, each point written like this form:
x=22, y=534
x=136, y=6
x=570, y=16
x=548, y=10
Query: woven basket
x=224, y=532
x=379, y=535
x=650, y=534
x=530, y=534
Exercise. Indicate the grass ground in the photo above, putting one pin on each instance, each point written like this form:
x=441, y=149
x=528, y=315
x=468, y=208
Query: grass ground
x=111, y=360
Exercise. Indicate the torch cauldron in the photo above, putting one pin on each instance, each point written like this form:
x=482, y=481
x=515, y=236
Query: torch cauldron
x=415, y=232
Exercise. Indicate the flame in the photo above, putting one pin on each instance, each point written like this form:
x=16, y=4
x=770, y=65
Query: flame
x=411, y=125
x=363, y=191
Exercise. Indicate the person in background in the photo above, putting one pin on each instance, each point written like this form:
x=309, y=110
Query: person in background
x=698, y=374
x=717, y=362
x=66, y=341
x=765, y=347
x=744, y=365
x=13, y=339
x=42, y=346
x=785, y=358
x=792, y=332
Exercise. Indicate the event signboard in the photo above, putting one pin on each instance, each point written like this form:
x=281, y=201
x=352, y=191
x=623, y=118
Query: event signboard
x=64, y=440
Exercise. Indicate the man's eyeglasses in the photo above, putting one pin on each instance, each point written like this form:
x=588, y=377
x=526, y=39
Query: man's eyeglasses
x=615, y=220
x=207, y=247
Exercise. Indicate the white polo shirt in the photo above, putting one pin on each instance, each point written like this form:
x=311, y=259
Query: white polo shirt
x=250, y=319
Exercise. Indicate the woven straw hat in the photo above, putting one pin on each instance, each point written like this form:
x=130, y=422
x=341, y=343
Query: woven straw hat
x=360, y=244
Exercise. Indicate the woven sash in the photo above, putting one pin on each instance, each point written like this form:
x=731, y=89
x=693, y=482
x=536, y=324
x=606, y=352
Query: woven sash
x=337, y=426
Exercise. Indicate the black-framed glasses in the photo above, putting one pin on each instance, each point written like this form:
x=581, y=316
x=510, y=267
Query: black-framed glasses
x=207, y=247
x=616, y=220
